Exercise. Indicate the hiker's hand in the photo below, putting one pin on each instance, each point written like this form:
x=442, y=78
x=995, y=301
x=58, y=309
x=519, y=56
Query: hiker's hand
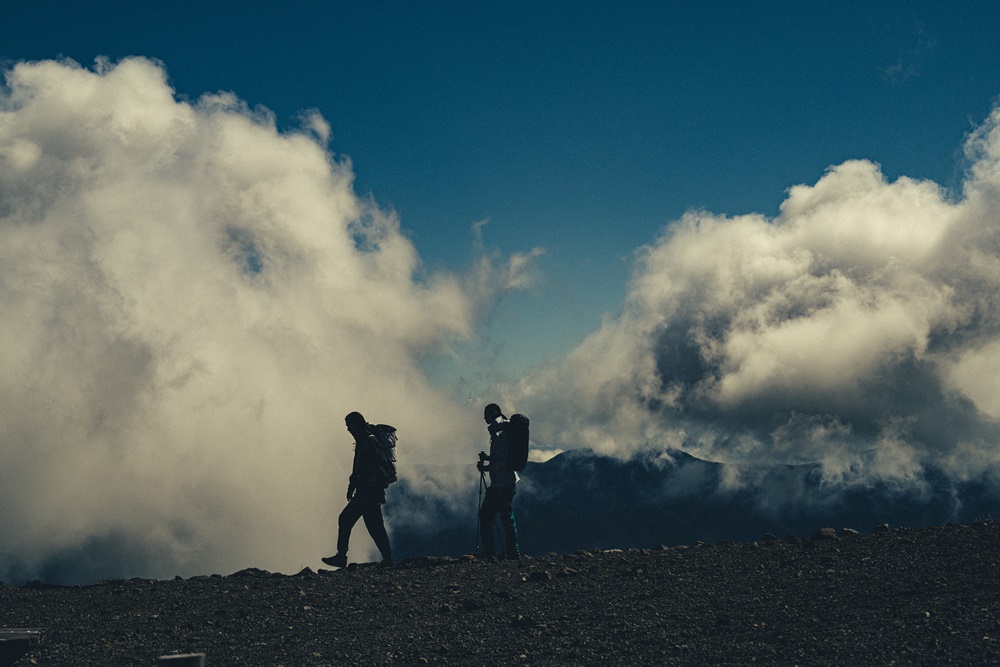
x=350, y=493
x=481, y=466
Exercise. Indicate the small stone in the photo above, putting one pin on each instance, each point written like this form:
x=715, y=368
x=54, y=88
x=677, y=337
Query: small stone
x=251, y=572
x=824, y=534
x=521, y=621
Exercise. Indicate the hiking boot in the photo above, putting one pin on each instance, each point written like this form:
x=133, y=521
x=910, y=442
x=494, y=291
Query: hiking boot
x=387, y=563
x=514, y=554
x=340, y=560
x=482, y=555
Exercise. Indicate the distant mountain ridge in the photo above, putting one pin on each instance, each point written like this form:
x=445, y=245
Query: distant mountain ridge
x=581, y=500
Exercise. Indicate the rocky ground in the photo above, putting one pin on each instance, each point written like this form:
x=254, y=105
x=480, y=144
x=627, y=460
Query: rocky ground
x=906, y=596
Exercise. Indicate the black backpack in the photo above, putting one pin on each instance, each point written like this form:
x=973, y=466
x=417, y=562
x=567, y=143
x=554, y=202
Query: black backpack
x=386, y=436
x=517, y=441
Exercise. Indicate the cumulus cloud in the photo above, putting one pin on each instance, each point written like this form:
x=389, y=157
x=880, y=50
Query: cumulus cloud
x=859, y=328
x=192, y=301
x=495, y=275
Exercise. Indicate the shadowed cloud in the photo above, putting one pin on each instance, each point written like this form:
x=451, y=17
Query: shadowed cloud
x=192, y=302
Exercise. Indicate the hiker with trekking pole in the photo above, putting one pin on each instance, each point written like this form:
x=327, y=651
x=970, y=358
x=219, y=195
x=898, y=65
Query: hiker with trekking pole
x=508, y=456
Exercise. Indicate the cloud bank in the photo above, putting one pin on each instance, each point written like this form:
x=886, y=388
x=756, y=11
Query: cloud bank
x=192, y=301
x=859, y=328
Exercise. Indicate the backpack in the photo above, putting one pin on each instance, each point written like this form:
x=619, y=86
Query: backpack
x=517, y=441
x=386, y=436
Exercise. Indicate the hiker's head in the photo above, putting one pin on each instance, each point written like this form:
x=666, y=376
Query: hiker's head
x=355, y=422
x=491, y=412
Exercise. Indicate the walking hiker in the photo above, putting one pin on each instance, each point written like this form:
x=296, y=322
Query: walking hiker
x=500, y=494
x=374, y=470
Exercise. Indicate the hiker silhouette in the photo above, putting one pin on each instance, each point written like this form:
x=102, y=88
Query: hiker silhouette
x=365, y=493
x=500, y=494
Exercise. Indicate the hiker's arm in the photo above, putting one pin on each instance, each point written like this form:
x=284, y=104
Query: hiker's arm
x=353, y=479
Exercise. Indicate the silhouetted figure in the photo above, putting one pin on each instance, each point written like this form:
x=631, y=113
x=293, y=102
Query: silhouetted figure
x=365, y=493
x=500, y=494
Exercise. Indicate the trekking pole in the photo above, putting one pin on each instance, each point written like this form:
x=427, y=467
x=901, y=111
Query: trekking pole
x=479, y=506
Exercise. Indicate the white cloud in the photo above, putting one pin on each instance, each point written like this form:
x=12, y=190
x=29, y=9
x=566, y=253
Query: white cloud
x=192, y=301
x=864, y=318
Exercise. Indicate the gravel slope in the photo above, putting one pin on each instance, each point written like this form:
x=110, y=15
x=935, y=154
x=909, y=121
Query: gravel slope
x=907, y=596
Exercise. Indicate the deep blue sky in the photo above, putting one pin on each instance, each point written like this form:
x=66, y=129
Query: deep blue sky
x=582, y=128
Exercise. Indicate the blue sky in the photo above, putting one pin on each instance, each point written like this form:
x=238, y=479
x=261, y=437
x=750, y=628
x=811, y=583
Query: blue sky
x=580, y=128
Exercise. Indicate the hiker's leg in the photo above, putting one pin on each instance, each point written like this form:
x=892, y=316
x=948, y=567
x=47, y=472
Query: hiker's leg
x=346, y=522
x=486, y=514
x=507, y=520
x=376, y=528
